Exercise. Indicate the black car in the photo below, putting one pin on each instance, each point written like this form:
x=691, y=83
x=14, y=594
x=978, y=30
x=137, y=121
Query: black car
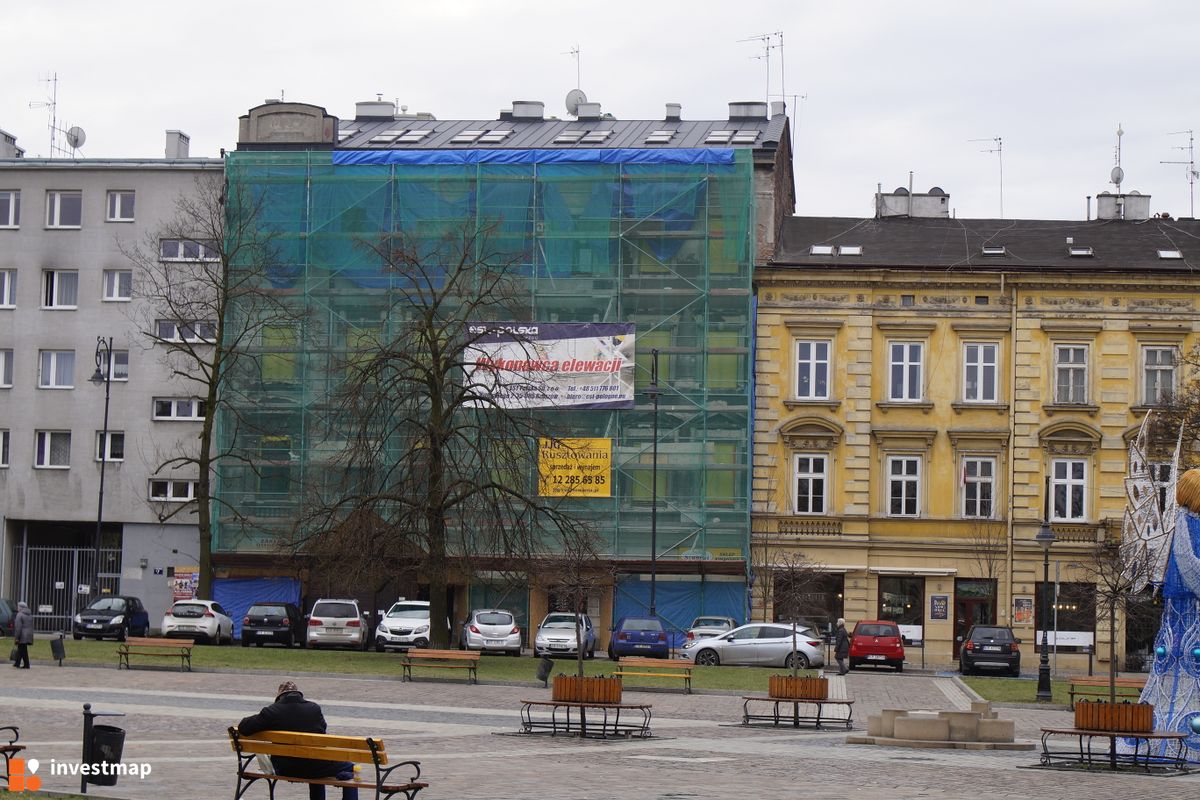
x=8, y=612
x=273, y=622
x=990, y=647
x=118, y=616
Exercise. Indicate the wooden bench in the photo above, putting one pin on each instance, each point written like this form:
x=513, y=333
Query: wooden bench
x=656, y=668
x=442, y=659
x=796, y=718
x=10, y=748
x=156, y=648
x=321, y=747
x=1144, y=744
x=1098, y=687
x=562, y=720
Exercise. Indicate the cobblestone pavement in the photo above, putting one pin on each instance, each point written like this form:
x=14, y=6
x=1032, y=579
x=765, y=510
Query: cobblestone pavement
x=465, y=737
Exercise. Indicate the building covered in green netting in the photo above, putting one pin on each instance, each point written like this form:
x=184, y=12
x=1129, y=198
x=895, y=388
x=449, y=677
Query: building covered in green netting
x=654, y=223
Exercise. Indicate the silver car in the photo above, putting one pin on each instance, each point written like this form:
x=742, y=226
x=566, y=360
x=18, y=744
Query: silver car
x=757, y=644
x=556, y=636
x=705, y=627
x=491, y=629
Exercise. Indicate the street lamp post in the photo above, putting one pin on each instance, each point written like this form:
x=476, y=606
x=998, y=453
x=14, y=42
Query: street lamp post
x=102, y=375
x=653, y=392
x=1045, y=537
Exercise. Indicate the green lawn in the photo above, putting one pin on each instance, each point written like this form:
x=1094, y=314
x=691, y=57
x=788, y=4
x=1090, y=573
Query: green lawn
x=491, y=668
x=1015, y=690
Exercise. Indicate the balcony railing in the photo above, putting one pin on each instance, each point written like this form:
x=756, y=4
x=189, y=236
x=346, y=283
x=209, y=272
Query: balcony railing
x=818, y=526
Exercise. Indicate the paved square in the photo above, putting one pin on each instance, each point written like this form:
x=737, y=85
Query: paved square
x=177, y=721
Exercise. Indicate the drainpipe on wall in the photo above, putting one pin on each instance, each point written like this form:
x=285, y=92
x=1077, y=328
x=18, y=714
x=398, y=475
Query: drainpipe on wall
x=1012, y=443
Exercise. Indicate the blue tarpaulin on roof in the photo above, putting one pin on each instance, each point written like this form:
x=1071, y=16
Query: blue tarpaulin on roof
x=677, y=602
x=683, y=155
x=238, y=594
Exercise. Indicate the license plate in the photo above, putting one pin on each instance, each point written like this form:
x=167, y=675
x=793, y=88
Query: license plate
x=264, y=633
x=94, y=626
x=333, y=626
x=876, y=658
x=991, y=649
x=493, y=642
x=558, y=647
x=642, y=646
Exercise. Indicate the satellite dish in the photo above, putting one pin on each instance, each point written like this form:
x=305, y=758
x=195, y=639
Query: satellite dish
x=574, y=98
x=76, y=137
x=1117, y=176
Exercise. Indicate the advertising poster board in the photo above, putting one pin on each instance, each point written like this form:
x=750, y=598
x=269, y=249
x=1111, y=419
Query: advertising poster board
x=183, y=583
x=574, y=467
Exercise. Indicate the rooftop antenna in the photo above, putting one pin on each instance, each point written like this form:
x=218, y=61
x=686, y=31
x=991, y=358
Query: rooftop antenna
x=574, y=53
x=767, y=43
x=1192, y=174
x=999, y=151
x=75, y=136
x=1117, y=175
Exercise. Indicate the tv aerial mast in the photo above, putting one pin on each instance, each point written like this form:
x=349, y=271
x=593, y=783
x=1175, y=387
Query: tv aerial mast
x=1191, y=172
x=999, y=151
x=74, y=136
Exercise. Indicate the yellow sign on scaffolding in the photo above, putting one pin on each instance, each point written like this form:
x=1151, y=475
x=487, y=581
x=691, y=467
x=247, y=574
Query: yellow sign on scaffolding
x=575, y=467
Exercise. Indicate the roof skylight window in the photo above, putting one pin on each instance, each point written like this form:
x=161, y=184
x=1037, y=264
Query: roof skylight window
x=719, y=137
x=745, y=137
x=1080, y=252
x=821, y=250
x=413, y=136
x=659, y=137
x=850, y=250
x=596, y=137
x=346, y=133
x=569, y=137
x=1170, y=254
x=387, y=137
x=466, y=137
x=494, y=136
x=994, y=250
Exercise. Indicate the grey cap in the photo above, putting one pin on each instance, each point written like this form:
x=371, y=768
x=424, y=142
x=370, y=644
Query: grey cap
x=23, y=605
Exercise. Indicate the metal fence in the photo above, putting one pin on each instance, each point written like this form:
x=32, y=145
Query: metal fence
x=57, y=581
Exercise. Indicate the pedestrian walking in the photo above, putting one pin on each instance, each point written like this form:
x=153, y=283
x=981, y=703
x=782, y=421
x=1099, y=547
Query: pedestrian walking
x=291, y=712
x=22, y=634
x=841, y=646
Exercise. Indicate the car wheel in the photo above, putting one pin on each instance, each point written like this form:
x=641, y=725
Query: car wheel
x=366, y=645
x=801, y=661
x=77, y=636
x=380, y=644
x=708, y=658
x=592, y=653
x=122, y=634
x=1015, y=672
x=611, y=655
x=900, y=666
x=962, y=668
x=258, y=644
x=289, y=642
x=245, y=642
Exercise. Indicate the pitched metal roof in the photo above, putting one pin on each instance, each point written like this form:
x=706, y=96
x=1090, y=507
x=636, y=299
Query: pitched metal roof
x=958, y=244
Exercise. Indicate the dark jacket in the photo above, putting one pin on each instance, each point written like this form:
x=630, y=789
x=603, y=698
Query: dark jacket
x=841, y=643
x=23, y=627
x=291, y=712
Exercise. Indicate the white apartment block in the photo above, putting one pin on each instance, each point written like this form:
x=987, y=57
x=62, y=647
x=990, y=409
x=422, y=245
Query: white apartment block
x=64, y=282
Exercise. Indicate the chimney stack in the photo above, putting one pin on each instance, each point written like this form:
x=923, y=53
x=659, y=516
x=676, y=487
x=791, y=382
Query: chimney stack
x=178, y=144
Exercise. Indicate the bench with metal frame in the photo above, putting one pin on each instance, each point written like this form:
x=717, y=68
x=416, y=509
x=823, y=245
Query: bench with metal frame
x=656, y=668
x=10, y=748
x=1141, y=757
x=1128, y=688
x=156, y=648
x=571, y=718
x=320, y=747
x=450, y=659
x=796, y=719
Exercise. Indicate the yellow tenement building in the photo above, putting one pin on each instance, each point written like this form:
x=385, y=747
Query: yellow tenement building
x=922, y=380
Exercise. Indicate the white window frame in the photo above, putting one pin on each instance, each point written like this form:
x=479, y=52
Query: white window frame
x=910, y=390
x=6, y=368
x=44, y=446
x=48, y=370
x=11, y=219
x=982, y=366
x=177, y=250
x=1154, y=392
x=55, y=283
x=54, y=198
x=114, y=205
x=812, y=474
x=5, y=447
x=1067, y=481
x=1070, y=368
x=812, y=367
x=8, y=288
x=978, y=480
x=195, y=409
x=909, y=480
x=103, y=453
x=170, y=487
x=175, y=331
x=112, y=291
x=120, y=365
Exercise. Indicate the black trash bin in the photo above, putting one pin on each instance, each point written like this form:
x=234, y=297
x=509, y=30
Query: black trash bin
x=108, y=742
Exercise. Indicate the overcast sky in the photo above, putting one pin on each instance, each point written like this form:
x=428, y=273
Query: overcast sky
x=889, y=87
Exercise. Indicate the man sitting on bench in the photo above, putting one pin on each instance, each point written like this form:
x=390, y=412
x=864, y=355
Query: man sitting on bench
x=291, y=712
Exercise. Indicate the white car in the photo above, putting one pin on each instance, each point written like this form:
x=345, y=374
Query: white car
x=198, y=619
x=405, y=625
x=337, y=623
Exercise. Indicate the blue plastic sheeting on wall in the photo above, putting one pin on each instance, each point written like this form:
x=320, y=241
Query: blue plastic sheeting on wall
x=677, y=603
x=686, y=155
x=238, y=594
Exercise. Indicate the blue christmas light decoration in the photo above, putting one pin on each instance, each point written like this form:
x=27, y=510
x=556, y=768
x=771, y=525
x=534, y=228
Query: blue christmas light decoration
x=1160, y=651
x=1194, y=724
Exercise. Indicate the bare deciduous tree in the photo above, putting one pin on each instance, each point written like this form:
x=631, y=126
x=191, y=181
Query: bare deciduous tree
x=795, y=579
x=572, y=575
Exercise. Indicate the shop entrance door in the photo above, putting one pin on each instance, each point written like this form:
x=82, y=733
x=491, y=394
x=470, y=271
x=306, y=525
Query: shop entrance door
x=974, y=604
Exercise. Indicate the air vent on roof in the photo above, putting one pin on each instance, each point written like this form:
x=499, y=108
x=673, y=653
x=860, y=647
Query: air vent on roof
x=748, y=110
x=528, y=109
x=994, y=250
x=850, y=250
x=821, y=250
x=1080, y=252
x=674, y=111
x=466, y=137
x=589, y=111
x=1170, y=254
x=659, y=137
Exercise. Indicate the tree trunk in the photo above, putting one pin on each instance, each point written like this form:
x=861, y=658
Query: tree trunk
x=1112, y=651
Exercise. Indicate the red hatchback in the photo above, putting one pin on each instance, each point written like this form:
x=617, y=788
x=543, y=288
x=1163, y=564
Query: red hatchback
x=876, y=641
